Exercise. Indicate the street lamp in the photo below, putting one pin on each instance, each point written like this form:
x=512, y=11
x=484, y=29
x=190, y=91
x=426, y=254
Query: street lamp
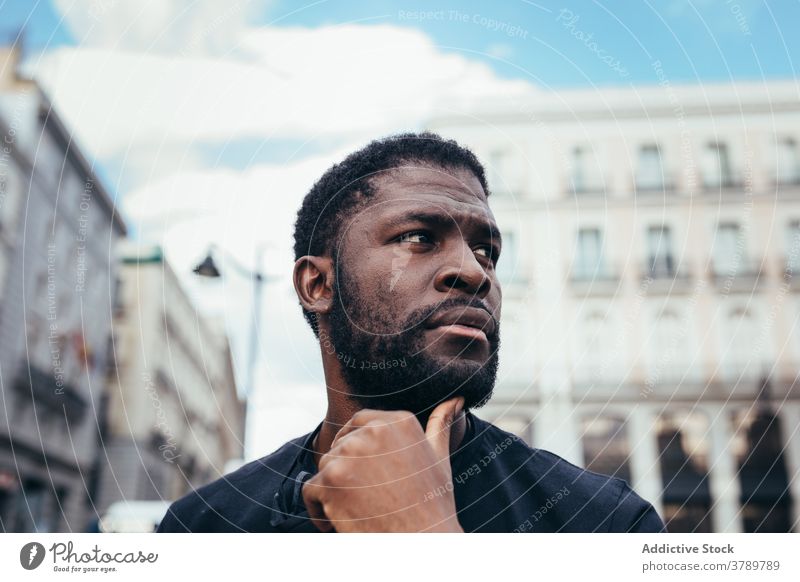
x=208, y=268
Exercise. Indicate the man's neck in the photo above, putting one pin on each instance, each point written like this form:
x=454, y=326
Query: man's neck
x=333, y=423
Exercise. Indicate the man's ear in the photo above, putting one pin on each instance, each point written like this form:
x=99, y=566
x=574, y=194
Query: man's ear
x=313, y=282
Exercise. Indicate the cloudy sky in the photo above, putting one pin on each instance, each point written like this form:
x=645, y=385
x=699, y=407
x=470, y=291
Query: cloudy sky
x=210, y=120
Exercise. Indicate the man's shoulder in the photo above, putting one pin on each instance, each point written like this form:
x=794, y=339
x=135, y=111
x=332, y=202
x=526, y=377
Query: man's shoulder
x=234, y=500
x=589, y=501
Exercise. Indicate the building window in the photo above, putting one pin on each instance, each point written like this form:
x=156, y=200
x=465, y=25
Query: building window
x=683, y=457
x=13, y=191
x=498, y=171
x=758, y=447
x=660, y=260
x=793, y=248
x=788, y=165
x=728, y=248
x=589, y=259
x=597, y=359
x=717, y=171
x=668, y=354
x=502, y=177
x=36, y=509
x=740, y=334
x=578, y=169
x=10, y=198
x=4, y=264
x=508, y=264
x=117, y=301
x=585, y=172
x=605, y=447
x=650, y=171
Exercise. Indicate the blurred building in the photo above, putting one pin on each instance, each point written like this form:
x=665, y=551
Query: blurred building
x=650, y=294
x=58, y=227
x=174, y=416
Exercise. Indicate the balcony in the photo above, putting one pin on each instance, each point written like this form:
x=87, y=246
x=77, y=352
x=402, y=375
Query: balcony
x=653, y=185
x=514, y=279
x=679, y=382
x=790, y=271
x=665, y=277
x=600, y=280
x=682, y=382
x=787, y=181
x=741, y=276
x=591, y=385
x=594, y=188
x=52, y=397
x=717, y=183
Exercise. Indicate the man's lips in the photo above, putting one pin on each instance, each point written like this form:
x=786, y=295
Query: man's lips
x=470, y=322
x=463, y=331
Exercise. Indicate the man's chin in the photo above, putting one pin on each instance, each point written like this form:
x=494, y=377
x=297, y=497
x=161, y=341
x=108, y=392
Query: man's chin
x=422, y=399
x=424, y=381
x=421, y=411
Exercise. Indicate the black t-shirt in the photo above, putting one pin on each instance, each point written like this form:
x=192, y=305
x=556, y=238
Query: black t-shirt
x=499, y=482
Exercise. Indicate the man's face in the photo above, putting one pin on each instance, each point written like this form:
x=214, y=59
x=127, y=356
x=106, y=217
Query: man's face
x=416, y=307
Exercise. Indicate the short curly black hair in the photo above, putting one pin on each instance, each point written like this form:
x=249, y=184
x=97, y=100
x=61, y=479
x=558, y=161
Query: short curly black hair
x=345, y=187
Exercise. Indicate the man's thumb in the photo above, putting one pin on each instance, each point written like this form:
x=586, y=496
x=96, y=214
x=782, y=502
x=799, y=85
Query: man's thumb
x=439, y=424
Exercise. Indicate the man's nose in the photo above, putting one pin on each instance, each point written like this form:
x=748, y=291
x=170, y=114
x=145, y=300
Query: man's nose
x=464, y=272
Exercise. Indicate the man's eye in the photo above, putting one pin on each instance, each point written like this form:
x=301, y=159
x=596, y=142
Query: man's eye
x=488, y=252
x=414, y=237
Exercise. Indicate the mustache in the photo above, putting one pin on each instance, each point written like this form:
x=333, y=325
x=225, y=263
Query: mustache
x=419, y=316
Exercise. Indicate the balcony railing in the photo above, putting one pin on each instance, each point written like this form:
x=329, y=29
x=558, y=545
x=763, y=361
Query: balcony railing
x=663, y=268
x=650, y=185
x=790, y=271
x=787, y=180
x=723, y=182
x=593, y=187
x=597, y=280
x=735, y=275
x=51, y=394
x=664, y=276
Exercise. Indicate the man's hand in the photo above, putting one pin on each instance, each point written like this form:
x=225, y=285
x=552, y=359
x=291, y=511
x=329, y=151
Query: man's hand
x=384, y=474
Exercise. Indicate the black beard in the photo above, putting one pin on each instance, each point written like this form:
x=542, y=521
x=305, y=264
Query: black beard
x=384, y=362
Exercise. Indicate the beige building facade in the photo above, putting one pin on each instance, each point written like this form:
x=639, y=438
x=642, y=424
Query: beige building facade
x=650, y=289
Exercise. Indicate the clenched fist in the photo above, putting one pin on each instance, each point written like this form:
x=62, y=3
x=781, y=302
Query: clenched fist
x=380, y=472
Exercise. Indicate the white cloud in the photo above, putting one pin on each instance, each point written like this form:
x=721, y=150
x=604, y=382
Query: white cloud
x=294, y=82
x=184, y=27
x=500, y=50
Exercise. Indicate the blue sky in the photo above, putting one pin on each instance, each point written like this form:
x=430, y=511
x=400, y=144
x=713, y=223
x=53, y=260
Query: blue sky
x=703, y=40
x=700, y=40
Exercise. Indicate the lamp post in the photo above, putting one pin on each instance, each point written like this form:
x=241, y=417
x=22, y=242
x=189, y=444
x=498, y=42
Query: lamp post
x=209, y=268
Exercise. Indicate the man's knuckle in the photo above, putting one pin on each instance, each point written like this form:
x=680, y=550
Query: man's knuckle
x=335, y=472
x=310, y=492
x=405, y=418
x=323, y=462
x=373, y=428
x=362, y=416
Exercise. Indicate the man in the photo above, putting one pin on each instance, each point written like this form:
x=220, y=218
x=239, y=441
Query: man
x=396, y=250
